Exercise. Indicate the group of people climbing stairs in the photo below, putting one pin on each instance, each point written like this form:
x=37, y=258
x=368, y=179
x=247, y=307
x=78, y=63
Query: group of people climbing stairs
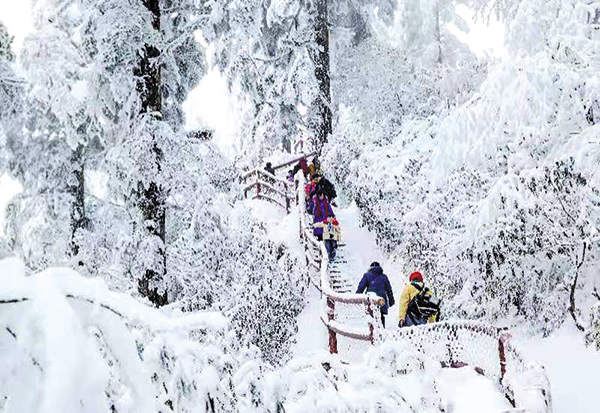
x=454, y=343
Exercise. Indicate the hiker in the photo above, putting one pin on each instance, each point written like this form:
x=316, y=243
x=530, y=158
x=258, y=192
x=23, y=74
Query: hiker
x=314, y=168
x=270, y=169
x=290, y=176
x=309, y=190
x=302, y=164
x=417, y=304
x=326, y=186
x=331, y=235
x=376, y=281
x=321, y=211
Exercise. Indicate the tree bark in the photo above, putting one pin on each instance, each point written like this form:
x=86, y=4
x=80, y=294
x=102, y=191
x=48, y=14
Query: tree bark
x=77, y=191
x=151, y=197
x=573, y=287
x=322, y=74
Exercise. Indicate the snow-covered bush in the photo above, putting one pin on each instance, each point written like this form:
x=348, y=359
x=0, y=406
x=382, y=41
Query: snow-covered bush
x=136, y=358
x=592, y=336
x=229, y=264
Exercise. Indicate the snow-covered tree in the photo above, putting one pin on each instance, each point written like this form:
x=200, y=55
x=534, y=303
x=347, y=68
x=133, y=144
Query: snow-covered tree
x=6, y=40
x=496, y=198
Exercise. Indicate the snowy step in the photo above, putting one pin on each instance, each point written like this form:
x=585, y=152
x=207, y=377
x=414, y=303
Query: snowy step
x=339, y=282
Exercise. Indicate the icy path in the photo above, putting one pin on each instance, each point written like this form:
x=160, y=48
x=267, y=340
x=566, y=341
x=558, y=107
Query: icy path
x=359, y=252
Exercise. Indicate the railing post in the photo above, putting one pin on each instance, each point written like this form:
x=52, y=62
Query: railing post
x=372, y=333
x=331, y=317
x=452, y=337
x=371, y=324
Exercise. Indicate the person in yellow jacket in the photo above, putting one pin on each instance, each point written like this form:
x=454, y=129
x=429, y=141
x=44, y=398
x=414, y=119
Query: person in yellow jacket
x=409, y=316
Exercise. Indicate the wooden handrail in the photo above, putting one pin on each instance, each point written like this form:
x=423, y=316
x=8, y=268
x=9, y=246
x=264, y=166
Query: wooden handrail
x=268, y=184
x=293, y=161
x=268, y=175
x=332, y=325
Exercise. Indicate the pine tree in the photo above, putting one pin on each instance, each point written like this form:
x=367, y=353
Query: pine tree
x=141, y=79
x=6, y=40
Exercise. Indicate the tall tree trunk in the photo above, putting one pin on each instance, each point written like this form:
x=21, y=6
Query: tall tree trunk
x=438, y=33
x=78, y=219
x=151, y=201
x=321, y=60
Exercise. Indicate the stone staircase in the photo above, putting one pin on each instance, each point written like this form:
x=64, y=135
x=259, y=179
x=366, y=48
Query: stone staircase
x=339, y=279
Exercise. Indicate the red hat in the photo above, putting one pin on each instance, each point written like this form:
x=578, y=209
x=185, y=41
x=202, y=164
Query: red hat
x=416, y=276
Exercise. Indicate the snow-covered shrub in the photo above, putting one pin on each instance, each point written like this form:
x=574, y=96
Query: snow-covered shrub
x=71, y=345
x=229, y=264
x=391, y=377
x=592, y=336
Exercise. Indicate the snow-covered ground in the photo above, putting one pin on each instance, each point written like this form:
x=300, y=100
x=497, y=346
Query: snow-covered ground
x=573, y=368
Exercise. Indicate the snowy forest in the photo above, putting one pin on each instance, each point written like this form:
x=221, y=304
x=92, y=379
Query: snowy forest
x=134, y=276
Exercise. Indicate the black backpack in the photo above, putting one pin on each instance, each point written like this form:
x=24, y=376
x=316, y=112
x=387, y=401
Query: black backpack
x=424, y=305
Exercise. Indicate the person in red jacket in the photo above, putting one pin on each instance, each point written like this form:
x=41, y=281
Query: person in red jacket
x=302, y=164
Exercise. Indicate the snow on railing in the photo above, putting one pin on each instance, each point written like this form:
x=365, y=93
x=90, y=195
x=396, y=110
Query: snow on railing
x=268, y=187
x=488, y=349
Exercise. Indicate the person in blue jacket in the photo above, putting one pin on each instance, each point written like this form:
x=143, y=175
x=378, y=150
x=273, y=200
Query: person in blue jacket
x=376, y=281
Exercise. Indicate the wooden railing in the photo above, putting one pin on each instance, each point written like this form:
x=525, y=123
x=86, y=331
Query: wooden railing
x=260, y=184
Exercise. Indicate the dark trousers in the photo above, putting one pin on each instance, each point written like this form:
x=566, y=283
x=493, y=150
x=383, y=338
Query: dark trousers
x=331, y=245
x=382, y=317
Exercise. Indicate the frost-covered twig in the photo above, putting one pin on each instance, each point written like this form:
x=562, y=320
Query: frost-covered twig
x=33, y=359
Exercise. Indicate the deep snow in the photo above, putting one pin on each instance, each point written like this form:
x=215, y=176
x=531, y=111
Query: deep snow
x=52, y=332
